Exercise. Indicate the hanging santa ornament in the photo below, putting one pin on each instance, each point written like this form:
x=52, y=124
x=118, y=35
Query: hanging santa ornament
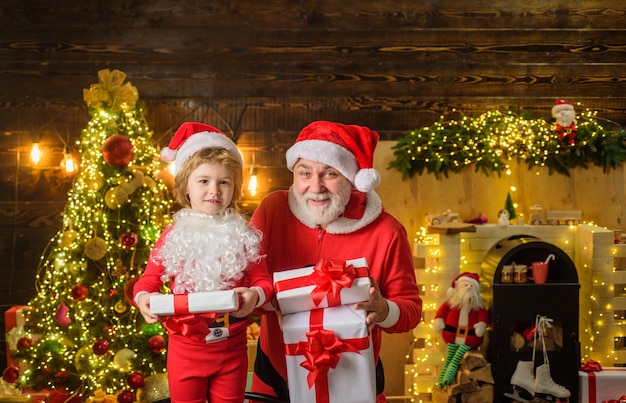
x=117, y=150
x=79, y=292
x=128, y=239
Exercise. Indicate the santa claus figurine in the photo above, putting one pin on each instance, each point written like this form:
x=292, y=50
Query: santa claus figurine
x=462, y=319
x=565, y=127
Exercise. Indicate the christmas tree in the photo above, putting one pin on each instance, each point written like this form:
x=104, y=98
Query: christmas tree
x=510, y=206
x=82, y=333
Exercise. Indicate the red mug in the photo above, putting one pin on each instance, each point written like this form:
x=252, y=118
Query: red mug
x=540, y=272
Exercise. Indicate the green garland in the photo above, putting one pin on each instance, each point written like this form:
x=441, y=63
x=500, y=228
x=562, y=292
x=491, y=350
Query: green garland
x=493, y=138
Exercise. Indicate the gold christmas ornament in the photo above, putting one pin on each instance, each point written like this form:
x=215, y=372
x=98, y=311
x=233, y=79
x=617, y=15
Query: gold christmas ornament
x=122, y=358
x=154, y=389
x=115, y=197
x=120, y=307
x=67, y=237
x=96, y=248
x=82, y=358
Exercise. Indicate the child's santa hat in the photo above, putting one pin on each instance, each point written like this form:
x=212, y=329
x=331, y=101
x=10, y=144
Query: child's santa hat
x=471, y=277
x=347, y=148
x=191, y=137
x=560, y=105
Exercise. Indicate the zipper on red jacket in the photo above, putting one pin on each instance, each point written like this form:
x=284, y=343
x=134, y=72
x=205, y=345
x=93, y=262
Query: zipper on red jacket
x=320, y=237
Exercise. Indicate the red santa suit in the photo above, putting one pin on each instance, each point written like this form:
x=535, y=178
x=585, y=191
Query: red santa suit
x=191, y=255
x=459, y=324
x=364, y=230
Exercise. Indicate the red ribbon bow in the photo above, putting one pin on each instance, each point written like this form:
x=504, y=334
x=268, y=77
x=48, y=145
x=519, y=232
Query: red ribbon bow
x=591, y=366
x=191, y=325
x=329, y=277
x=321, y=351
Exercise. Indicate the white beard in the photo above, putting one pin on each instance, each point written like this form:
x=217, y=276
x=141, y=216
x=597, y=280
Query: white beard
x=204, y=252
x=469, y=298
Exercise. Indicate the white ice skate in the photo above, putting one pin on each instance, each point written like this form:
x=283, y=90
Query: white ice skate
x=523, y=382
x=547, y=389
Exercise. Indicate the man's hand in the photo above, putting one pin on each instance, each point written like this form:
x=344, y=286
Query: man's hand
x=377, y=308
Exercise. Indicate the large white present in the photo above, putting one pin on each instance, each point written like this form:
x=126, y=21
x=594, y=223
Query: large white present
x=329, y=356
x=330, y=282
x=195, y=302
x=604, y=385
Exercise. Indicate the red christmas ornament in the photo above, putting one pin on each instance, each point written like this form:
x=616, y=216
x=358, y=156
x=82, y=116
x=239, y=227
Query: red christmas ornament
x=135, y=380
x=156, y=343
x=117, y=150
x=128, y=239
x=79, y=292
x=10, y=374
x=24, y=342
x=101, y=347
x=126, y=396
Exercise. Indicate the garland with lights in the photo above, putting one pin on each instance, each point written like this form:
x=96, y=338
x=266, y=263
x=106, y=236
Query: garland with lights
x=488, y=141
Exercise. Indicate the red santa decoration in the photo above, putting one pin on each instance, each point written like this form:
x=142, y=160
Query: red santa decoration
x=565, y=127
x=462, y=319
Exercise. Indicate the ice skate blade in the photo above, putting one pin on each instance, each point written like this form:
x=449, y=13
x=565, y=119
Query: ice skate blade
x=545, y=398
x=524, y=397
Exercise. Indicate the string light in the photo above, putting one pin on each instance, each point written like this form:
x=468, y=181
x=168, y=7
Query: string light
x=35, y=153
x=252, y=184
x=69, y=163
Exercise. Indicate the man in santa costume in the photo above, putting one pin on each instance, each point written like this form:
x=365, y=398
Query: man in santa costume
x=462, y=319
x=331, y=211
x=565, y=127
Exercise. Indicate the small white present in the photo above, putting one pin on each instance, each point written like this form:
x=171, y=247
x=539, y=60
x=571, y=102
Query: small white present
x=330, y=282
x=195, y=302
x=329, y=356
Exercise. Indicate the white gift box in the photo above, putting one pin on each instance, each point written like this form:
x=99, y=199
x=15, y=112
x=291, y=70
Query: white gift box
x=320, y=286
x=336, y=335
x=196, y=302
x=602, y=386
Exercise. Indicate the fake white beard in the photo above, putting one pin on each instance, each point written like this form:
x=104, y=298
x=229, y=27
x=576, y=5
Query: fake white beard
x=469, y=297
x=204, y=252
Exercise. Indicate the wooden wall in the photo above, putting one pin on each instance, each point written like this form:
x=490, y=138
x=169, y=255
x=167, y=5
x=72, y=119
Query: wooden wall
x=261, y=71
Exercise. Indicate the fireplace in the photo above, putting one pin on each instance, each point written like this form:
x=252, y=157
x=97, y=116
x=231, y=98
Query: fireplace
x=515, y=304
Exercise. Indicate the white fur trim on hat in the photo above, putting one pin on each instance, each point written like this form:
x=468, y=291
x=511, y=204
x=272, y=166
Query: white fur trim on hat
x=367, y=179
x=202, y=140
x=324, y=152
x=561, y=105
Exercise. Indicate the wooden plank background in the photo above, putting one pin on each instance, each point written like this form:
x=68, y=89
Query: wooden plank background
x=261, y=71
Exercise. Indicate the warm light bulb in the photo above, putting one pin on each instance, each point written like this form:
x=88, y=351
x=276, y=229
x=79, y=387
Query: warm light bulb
x=35, y=153
x=68, y=162
x=252, y=184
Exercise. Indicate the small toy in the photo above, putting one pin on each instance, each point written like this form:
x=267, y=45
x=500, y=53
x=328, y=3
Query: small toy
x=446, y=216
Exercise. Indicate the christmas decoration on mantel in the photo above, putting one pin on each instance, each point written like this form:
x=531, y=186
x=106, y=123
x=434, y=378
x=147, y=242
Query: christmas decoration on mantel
x=490, y=140
x=82, y=335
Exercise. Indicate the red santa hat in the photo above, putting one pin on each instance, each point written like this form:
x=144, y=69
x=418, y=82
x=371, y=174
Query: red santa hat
x=470, y=277
x=191, y=137
x=560, y=105
x=347, y=148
